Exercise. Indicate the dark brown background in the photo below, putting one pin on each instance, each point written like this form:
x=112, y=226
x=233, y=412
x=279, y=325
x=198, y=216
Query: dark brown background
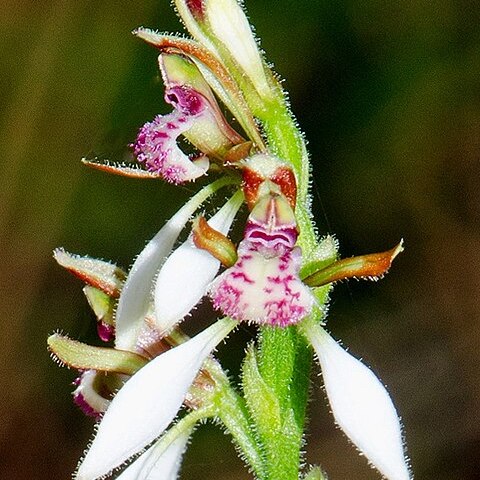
x=388, y=96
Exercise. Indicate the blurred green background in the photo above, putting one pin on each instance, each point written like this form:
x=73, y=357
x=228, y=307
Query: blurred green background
x=388, y=95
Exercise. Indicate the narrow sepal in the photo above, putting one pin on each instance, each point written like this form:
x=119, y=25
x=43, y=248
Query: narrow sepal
x=360, y=404
x=369, y=267
x=135, y=300
x=85, y=357
x=122, y=170
x=148, y=402
x=99, y=274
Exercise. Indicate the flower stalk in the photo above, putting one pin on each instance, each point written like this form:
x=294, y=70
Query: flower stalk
x=151, y=384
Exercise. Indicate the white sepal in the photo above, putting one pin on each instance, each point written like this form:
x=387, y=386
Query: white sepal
x=159, y=462
x=186, y=274
x=148, y=402
x=361, y=405
x=135, y=298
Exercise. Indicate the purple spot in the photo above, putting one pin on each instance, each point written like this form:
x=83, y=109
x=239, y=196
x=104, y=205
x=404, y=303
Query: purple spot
x=276, y=280
x=86, y=408
x=242, y=276
x=185, y=99
x=105, y=331
x=196, y=7
x=158, y=134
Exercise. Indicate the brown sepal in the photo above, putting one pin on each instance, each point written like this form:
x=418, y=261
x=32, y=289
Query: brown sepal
x=123, y=170
x=367, y=267
x=214, y=242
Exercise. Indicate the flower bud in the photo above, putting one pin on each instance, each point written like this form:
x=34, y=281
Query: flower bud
x=221, y=25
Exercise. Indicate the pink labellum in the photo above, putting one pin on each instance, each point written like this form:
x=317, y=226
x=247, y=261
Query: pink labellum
x=264, y=286
x=263, y=289
x=86, y=395
x=156, y=147
x=156, y=144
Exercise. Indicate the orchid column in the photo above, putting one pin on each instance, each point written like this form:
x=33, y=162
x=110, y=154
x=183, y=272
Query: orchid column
x=152, y=384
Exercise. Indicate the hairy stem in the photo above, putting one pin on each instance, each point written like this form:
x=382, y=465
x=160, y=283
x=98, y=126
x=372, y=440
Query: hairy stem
x=232, y=412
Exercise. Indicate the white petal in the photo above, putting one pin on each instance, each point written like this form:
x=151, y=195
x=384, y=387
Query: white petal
x=160, y=462
x=136, y=293
x=186, y=274
x=361, y=405
x=148, y=402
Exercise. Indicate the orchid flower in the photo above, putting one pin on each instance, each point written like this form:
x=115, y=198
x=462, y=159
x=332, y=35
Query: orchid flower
x=196, y=115
x=151, y=384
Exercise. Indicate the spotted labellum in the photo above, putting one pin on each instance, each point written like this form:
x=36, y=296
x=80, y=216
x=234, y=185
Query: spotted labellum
x=263, y=286
x=245, y=247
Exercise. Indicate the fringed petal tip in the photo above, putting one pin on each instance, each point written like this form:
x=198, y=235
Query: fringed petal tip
x=361, y=406
x=156, y=147
x=263, y=290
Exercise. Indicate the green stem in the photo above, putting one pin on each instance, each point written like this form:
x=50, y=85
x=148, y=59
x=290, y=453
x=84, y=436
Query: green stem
x=285, y=358
x=285, y=366
x=232, y=411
